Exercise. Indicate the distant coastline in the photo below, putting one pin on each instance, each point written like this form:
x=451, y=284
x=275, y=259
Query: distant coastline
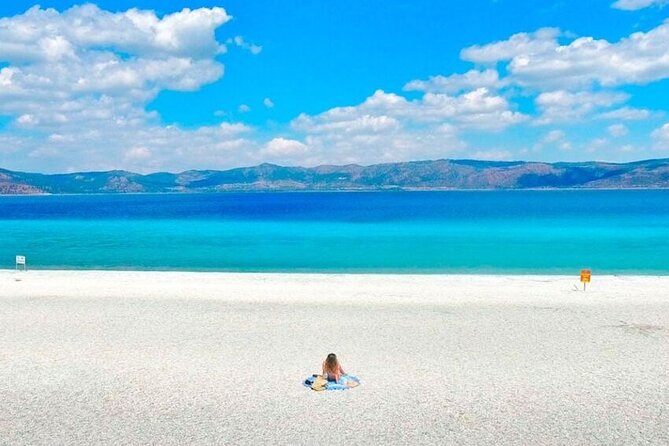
x=437, y=175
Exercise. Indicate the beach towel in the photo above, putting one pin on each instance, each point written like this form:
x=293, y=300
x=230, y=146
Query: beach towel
x=318, y=383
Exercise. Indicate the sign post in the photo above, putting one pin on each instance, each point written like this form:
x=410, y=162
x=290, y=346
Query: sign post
x=21, y=261
x=585, y=277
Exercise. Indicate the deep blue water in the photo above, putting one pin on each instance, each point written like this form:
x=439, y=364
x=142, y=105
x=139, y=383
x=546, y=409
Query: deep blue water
x=477, y=232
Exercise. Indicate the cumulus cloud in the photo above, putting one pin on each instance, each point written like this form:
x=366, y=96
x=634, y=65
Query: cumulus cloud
x=565, y=106
x=80, y=81
x=83, y=84
x=455, y=83
x=46, y=34
x=633, y=5
x=479, y=109
x=569, y=78
x=89, y=64
x=283, y=148
x=351, y=124
x=538, y=42
x=146, y=147
x=403, y=144
x=76, y=85
x=387, y=126
x=538, y=59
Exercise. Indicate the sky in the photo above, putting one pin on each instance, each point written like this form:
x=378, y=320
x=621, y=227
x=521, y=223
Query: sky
x=172, y=85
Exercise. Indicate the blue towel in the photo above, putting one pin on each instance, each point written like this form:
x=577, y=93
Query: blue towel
x=339, y=385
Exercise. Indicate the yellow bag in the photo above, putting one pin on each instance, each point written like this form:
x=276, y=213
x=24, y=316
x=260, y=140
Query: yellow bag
x=319, y=383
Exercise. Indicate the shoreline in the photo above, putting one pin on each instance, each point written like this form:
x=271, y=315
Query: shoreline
x=334, y=287
x=337, y=191
x=361, y=272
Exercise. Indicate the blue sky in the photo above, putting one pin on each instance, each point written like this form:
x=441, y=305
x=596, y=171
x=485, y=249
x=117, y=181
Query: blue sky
x=149, y=85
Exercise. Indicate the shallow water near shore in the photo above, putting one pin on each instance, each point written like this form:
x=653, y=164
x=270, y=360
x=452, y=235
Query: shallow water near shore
x=501, y=232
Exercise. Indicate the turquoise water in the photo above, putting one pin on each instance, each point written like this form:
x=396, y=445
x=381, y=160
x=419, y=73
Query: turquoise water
x=422, y=232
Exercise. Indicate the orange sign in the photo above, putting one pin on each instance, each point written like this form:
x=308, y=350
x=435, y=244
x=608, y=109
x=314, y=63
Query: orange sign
x=585, y=275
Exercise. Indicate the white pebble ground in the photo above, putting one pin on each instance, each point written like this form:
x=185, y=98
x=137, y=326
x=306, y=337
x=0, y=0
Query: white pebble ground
x=207, y=358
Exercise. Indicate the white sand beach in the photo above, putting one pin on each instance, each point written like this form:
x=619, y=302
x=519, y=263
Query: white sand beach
x=89, y=357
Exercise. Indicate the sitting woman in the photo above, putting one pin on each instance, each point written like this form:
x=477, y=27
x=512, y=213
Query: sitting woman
x=332, y=370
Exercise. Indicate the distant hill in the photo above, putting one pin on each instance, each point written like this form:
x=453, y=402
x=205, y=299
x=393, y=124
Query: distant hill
x=416, y=175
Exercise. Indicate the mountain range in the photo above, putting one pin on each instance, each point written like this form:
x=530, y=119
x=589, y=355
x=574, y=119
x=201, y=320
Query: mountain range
x=416, y=175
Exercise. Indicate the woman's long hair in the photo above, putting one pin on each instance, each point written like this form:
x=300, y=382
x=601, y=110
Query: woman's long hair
x=331, y=363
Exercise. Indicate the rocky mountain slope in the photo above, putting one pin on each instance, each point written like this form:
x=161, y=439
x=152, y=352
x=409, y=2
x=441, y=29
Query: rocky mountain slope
x=417, y=175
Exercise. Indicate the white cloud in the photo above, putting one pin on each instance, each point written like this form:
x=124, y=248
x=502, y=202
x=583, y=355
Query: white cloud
x=661, y=137
x=351, y=125
x=554, y=138
x=388, y=127
x=88, y=65
x=633, y=5
x=80, y=81
x=283, y=148
x=455, y=83
x=140, y=146
x=47, y=35
x=85, y=99
x=617, y=130
x=138, y=153
x=232, y=129
x=479, y=109
x=159, y=148
x=519, y=44
x=538, y=60
x=403, y=144
x=60, y=138
x=242, y=43
x=26, y=120
x=626, y=114
x=565, y=106
x=566, y=80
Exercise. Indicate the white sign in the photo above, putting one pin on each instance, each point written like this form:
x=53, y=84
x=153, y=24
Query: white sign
x=20, y=260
